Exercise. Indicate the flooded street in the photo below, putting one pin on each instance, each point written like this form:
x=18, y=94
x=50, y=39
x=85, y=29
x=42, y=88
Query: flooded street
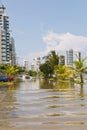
x=43, y=105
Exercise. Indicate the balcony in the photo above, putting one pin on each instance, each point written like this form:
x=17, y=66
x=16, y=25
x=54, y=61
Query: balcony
x=3, y=52
x=3, y=55
x=3, y=47
x=3, y=39
x=3, y=43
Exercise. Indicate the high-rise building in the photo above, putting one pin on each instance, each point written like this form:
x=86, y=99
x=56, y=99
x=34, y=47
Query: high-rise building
x=25, y=65
x=2, y=46
x=4, y=36
x=12, y=52
x=69, y=57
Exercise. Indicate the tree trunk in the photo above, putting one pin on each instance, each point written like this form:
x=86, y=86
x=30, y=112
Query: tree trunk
x=81, y=78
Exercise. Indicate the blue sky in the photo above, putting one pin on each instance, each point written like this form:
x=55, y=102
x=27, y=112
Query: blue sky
x=39, y=26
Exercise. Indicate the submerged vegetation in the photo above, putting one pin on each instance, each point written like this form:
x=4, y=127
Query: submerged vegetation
x=8, y=74
x=79, y=67
x=51, y=68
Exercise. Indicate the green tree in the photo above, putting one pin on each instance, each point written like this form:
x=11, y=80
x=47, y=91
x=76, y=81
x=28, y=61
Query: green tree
x=12, y=70
x=9, y=70
x=46, y=69
x=32, y=73
x=3, y=68
x=62, y=72
x=53, y=59
x=50, y=61
x=80, y=67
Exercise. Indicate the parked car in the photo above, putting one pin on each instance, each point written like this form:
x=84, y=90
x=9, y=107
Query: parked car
x=3, y=78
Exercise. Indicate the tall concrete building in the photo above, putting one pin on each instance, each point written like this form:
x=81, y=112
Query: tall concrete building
x=69, y=57
x=12, y=52
x=2, y=46
x=4, y=37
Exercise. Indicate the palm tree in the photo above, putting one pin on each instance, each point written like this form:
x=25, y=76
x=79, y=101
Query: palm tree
x=12, y=70
x=52, y=60
x=79, y=67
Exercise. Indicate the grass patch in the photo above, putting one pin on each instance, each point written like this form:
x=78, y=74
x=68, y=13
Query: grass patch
x=5, y=83
x=64, y=80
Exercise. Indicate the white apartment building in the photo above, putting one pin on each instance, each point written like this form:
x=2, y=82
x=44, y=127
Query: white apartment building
x=36, y=63
x=2, y=46
x=4, y=37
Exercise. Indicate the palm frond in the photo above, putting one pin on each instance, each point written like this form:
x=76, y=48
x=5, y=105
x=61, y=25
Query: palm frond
x=83, y=68
x=84, y=59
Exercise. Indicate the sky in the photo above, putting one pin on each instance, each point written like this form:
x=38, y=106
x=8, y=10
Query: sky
x=39, y=26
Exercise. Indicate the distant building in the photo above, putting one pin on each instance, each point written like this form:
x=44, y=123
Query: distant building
x=12, y=52
x=69, y=57
x=36, y=63
x=25, y=65
x=33, y=67
x=62, y=60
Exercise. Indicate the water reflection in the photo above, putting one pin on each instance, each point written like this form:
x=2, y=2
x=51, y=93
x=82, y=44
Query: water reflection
x=42, y=104
x=81, y=94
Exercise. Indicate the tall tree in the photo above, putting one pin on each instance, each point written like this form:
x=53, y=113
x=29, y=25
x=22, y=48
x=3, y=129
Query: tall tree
x=51, y=60
x=46, y=69
x=80, y=67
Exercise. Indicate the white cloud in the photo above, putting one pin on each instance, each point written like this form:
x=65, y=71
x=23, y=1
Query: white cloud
x=62, y=42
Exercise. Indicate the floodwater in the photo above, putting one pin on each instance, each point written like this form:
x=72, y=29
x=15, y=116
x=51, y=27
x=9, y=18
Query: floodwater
x=43, y=105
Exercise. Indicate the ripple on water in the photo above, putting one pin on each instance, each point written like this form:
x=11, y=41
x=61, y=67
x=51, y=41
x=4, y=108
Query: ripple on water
x=43, y=107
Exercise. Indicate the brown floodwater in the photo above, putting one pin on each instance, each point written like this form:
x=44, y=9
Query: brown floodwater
x=43, y=105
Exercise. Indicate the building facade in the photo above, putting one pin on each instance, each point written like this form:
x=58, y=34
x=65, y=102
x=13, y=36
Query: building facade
x=36, y=63
x=12, y=52
x=69, y=57
x=2, y=46
x=5, y=49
